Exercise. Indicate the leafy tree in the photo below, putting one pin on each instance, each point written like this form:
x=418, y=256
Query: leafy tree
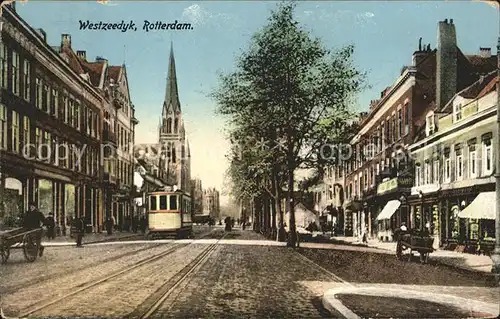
x=289, y=89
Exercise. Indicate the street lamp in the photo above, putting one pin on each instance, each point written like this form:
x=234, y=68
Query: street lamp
x=495, y=256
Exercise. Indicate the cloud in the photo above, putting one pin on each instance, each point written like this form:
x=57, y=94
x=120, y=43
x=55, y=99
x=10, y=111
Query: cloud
x=199, y=16
x=344, y=16
x=107, y=3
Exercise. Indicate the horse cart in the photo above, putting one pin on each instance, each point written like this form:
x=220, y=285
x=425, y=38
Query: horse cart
x=414, y=241
x=28, y=240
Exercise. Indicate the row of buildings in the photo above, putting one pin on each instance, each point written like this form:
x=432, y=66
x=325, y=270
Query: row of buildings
x=66, y=128
x=424, y=152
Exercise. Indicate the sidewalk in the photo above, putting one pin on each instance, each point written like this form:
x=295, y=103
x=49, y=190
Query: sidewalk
x=478, y=263
x=91, y=238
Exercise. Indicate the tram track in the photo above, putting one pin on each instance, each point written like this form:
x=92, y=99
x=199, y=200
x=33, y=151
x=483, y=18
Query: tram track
x=151, y=305
x=71, y=272
x=78, y=289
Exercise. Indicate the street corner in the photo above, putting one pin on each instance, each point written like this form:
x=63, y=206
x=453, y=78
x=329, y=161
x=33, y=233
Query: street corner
x=361, y=302
x=318, y=288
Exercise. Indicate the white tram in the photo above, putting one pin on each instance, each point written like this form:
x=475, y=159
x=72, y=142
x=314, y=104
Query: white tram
x=169, y=213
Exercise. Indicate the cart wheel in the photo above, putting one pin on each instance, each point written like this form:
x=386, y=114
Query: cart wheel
x=4, y=254
x=399, y=251
x=30, y=248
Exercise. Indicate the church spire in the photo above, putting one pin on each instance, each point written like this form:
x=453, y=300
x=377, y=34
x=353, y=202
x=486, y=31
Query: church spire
x=171, y=92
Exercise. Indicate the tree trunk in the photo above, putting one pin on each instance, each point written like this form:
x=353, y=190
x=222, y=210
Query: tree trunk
x=265, y=203
x=258, y=214
x=292, y=239
x=262, y=214
x=275, y=203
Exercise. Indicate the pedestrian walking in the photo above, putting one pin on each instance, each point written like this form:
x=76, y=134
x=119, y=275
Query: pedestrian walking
x=109, y=226
x=51, y=225
x=113, y=221
x=78, y=228
x=365, y=235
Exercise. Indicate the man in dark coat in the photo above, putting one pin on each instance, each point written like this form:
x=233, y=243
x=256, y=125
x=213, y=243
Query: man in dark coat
x=78, y=229
x=51, y=225
x=109, y=225
x=34, y=219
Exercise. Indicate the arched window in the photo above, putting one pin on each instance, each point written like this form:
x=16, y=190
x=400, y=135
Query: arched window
x=169, y=152
x=169, y=125
x=173, y=153
x=176, y=126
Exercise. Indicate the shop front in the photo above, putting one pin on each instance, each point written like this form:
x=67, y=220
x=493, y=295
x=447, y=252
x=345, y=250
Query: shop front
x=353, y=215
x=468, y=215
x=12, y=204
x=392, y=206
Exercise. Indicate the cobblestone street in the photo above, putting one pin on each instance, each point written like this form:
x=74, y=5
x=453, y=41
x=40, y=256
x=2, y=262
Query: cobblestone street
x=215, y=277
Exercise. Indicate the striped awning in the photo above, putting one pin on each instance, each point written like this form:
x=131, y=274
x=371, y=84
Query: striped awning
x=482, y=207
x=390, y=208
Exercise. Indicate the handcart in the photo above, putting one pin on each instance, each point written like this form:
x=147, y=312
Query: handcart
x=418, y=241
x=28, y=240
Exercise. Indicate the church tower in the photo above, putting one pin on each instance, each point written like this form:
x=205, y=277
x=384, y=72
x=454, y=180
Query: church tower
x=172, y=136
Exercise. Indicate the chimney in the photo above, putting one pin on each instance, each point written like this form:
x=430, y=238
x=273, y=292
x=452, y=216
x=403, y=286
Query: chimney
x=42, y=34
x=66, y=41
x=485, y=52
x=446, y=63
x=100, y=59
x=81, y=54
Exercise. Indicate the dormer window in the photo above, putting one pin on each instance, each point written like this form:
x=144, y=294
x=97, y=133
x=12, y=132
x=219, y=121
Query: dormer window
x=430, y=126
x=457, y=111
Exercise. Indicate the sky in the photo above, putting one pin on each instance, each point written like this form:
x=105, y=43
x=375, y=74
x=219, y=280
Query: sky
x=385, y=34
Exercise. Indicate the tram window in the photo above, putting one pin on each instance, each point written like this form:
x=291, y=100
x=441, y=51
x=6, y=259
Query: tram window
x=163, y=202
x=173, y=202
x=152, y=203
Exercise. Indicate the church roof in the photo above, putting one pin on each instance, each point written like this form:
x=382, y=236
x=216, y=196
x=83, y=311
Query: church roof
x=171, y=91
